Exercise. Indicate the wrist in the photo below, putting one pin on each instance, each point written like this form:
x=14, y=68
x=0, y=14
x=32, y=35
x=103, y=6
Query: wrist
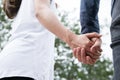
x=70, y=37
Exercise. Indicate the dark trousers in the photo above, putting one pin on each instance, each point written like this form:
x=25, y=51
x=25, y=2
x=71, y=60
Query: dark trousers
x=16, y=78
x=115, y=37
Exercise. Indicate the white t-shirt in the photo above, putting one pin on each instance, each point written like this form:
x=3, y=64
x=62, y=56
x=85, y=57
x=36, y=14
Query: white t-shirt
x=30, y=50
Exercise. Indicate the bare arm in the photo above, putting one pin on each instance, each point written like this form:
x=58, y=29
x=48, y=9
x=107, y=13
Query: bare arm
x=50, y=21
x=47, y=18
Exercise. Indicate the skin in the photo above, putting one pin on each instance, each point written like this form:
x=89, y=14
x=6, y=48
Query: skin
x=51, y=22
x=94, y=52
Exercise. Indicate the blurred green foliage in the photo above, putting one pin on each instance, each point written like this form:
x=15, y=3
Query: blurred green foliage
x=4, y=27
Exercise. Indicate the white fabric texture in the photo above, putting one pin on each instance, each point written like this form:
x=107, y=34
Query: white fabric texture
x=30, y=50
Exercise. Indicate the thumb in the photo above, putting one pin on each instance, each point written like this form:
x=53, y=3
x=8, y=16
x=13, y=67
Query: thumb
x=92, y=35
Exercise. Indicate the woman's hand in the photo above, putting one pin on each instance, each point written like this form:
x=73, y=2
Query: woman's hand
x=82, y=41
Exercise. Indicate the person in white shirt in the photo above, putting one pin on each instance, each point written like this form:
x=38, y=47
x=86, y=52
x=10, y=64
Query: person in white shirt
x=29, y=54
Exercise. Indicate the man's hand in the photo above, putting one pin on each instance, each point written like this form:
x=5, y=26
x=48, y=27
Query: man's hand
x=97, y=45
x=81, y=55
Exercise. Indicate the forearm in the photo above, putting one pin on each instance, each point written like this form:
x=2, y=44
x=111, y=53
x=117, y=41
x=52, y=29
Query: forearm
x=89, y=16
x=50, y=21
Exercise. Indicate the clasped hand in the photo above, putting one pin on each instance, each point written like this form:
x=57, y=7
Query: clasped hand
x=87, y=47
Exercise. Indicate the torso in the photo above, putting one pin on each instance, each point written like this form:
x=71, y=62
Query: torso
x=30, y=51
